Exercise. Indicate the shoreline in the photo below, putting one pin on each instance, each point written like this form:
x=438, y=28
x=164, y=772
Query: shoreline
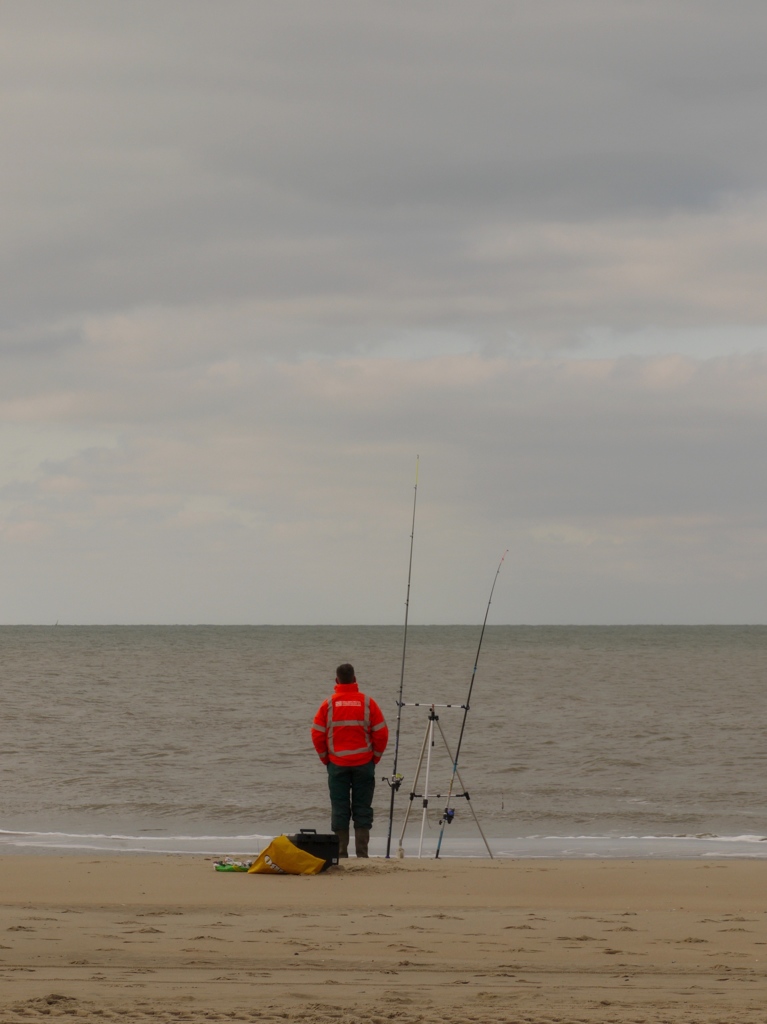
x=535, y=847
x=154, y=937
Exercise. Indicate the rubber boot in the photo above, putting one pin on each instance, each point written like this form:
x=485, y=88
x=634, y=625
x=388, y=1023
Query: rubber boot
x=361, y=840
x=343, y=842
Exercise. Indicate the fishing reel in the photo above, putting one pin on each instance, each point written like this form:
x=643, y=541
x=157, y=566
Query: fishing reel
x=394, y=781
x=447, y=816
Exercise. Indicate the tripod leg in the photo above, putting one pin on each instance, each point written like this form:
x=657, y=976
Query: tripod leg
x=468, y=801
x=476, y=819
x=412, y=792
x=430, y=737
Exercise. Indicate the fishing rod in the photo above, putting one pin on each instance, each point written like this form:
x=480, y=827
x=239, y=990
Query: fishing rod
x=395, y=781
x=449, y=813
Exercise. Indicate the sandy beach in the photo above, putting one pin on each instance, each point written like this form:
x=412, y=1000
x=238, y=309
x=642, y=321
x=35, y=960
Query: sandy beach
x=170, y=939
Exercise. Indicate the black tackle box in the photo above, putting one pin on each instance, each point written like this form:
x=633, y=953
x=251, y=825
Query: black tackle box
x=320, y=844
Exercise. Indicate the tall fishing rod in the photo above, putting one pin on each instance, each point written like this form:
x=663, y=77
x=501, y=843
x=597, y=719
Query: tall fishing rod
x=448, y=813
x=396, y=780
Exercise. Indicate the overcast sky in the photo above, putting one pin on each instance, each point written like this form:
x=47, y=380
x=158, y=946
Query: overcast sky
x=258, y=256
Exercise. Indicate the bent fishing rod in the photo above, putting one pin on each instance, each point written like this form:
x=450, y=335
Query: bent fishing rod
x=449, y=813
x=395, y=781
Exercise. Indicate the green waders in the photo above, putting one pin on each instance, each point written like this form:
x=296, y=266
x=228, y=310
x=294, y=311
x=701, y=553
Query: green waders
x=351, y=796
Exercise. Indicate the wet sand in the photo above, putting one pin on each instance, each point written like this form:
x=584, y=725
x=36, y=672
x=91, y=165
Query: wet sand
x=169, y=939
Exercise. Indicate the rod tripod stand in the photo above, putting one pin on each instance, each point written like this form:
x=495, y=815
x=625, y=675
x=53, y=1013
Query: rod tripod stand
x=426, y=749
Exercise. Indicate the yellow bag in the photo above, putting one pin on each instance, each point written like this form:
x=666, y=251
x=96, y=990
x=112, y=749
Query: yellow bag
x=281, y=857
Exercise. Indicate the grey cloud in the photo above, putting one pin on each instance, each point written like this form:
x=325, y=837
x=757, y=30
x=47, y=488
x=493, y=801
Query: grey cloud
x=40, y=344
x=280, y=151
x=539, y=441
x=612, y=481
x=218, y=216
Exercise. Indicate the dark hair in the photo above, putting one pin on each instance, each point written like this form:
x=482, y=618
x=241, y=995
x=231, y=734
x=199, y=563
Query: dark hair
x=345, y=673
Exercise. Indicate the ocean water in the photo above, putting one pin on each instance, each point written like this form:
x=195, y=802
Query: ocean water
x=581, y=741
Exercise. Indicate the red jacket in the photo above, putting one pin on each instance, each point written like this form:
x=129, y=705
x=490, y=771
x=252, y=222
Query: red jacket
x=349, y=728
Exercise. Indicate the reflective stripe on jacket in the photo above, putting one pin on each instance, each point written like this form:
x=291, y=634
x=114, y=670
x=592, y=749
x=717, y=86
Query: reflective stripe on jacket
x=349, y=728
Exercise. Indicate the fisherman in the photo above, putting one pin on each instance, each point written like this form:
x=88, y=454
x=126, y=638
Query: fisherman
x=350, y=735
